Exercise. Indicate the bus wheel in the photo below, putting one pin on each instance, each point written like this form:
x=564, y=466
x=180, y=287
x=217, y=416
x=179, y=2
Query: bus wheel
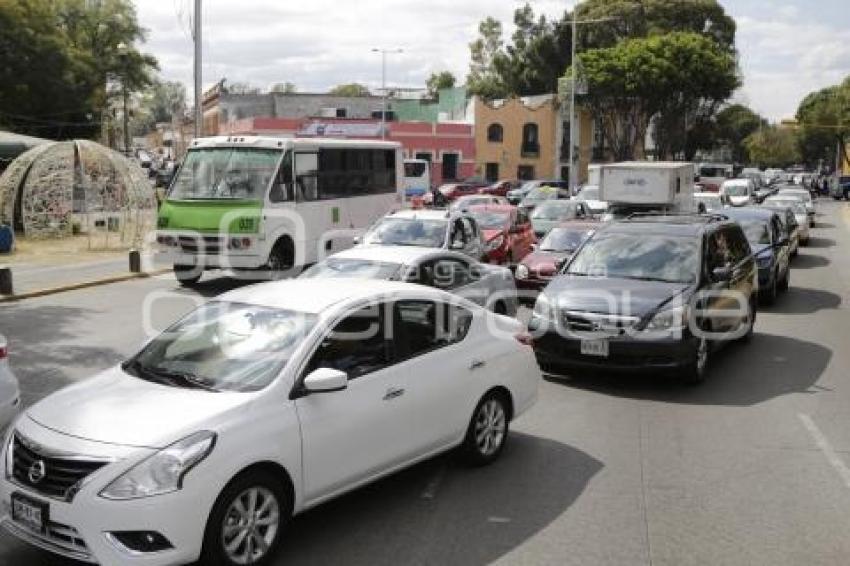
x=280, y=259
x=187, y=275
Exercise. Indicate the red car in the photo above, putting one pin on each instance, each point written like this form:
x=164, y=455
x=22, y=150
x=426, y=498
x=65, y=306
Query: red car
x=499, y=188
x=450, y=192
x=539, y=267
x=506, y=230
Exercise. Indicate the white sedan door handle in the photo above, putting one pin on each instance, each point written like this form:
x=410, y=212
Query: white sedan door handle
x=477, y=364
x=393, y=393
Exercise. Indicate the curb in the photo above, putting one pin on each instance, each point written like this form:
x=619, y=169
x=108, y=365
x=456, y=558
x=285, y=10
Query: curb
x=83, y=285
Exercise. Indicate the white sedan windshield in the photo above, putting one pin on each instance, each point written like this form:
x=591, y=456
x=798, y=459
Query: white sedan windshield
x=408, y=232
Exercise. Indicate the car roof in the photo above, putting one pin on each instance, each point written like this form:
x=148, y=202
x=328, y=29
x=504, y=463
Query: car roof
x=749, y=213
x=684, y=225
x=493, y=207
x=403, y=255
x=316, y=295
x=580, y=224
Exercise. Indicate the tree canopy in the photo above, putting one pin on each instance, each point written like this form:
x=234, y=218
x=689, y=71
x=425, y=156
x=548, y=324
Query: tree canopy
x=733, y=125
x=773, y=146
x=437, y=81
x=824, y=120
x=284, y=88
x=62, y=62
x=350, y=89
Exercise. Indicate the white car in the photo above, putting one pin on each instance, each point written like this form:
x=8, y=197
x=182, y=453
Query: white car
x=468, y=201
x=490, y=286
x=436, y=229
x=589, y=195
x=786, y=202
x=740, y=192
x=803, y=196
x=10, y=395
x=711, y=202
x=258, y=405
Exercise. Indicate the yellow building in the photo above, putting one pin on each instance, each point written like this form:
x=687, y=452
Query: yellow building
x=528, y=138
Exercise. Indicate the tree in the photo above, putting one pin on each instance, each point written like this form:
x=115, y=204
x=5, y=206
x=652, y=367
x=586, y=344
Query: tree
x=773, y=146
x=437, y=81
x=734, y=124
x=242, y=88
x=661, y=76
x=483, y=78
x=284, y=88
x=824, y=119
x=63, y=59
x=350, y=89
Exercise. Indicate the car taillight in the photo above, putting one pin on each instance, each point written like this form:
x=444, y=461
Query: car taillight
x=4, y=351
x=525, y=339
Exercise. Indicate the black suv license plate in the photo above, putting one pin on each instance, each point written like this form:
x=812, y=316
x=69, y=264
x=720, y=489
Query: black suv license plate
x=29, y=512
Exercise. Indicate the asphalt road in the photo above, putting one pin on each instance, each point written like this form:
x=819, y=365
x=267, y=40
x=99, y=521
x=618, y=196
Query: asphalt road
x=752, y=467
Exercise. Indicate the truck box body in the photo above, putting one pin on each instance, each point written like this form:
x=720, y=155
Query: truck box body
x=652, y=184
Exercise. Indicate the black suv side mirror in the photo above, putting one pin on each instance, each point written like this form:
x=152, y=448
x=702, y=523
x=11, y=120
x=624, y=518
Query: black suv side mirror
x=721, y=273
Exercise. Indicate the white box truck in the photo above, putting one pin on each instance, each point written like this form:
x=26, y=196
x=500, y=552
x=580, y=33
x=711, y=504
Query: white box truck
x=647, y=186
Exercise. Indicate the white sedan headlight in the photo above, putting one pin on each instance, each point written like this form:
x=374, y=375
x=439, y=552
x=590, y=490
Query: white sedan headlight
x=521, y=271
x=164, y=471
x=670, y=319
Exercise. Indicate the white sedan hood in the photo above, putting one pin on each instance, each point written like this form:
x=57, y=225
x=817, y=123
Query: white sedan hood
x=117, y=408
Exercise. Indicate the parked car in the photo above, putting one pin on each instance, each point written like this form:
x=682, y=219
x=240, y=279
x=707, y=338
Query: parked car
x=508, y=236
x=791, y=230
x=10, y=394
x=589, y=194
x=631, y=297
x=797, y=210
x=711, y=202
x=428, y=229
x=468, y=201
x=537, y=268
x=767, y=235
x=804, y=197
x=551, y=213
x=490, y=286
x=841, y=188
x=740, y=192
x=255, y=407
x=515, y=196
x=500, y=188
x=542, y=194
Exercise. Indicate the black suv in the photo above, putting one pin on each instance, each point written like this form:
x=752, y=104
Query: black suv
x=649, y=292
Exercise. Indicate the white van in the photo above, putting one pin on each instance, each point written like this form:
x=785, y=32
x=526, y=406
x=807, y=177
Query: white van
x=739, y=192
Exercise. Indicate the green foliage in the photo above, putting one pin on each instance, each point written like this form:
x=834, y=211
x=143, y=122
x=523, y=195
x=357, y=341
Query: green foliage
x=824, y=118
x=437, y=81
x=483, y=78
x=667, y=75
x=733, y=125
x=284, y=88
x=242, y=88
x=350, y=89
x=63, y=60
x=773, y=146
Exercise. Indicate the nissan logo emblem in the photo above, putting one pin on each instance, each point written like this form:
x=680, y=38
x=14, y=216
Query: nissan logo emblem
x=37, y=471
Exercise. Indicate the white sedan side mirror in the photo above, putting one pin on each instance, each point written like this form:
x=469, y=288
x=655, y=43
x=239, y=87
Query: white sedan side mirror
x=325, y=380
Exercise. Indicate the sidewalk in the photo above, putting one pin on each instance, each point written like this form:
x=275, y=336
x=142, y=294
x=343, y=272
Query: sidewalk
x=51, y=264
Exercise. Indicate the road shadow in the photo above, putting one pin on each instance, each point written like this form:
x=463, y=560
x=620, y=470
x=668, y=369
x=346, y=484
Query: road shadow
x=44, y=351
x=809, y=261
x=819, y=242
x=801, y=300
x=740, y=375
x=474, y=517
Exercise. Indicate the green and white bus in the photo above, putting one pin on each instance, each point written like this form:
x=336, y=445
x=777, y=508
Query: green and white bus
x=274, y=204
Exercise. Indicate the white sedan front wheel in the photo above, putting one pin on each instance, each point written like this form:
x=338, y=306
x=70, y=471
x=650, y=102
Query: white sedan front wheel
x=487, y=431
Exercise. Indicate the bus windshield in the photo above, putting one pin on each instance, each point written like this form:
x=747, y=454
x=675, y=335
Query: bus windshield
x=225, y=173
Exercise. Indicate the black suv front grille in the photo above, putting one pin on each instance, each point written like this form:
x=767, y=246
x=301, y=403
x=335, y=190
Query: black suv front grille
x=57, y=477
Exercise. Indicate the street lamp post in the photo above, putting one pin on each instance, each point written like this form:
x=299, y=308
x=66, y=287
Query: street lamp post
x=573, y=76
x=122, y=53
x=384, y=53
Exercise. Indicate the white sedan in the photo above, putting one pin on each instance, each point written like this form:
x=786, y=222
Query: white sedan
x=490, y=286
x=258, y=405
x=10, y=395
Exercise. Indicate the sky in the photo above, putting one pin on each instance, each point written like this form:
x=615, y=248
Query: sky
x=787, y=48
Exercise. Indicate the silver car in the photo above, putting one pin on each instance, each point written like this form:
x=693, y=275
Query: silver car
x=490, y=286
x=10, y=395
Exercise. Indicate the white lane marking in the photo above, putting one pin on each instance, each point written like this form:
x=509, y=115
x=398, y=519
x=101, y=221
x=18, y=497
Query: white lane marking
x=433, y=485
x=831, y=455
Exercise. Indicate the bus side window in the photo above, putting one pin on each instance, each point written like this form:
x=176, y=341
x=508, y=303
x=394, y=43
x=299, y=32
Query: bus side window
x=282, y=187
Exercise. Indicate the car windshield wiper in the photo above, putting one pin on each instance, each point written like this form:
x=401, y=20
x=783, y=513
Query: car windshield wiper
x=185, y=379
x=656, y=279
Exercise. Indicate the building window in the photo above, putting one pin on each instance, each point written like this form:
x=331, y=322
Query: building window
x=426, y=155
x=599, y=149
x=525, y=172
x=495, y=133
x=565, y=141
x=450, y=166
x=530, y=140
x=491, y=172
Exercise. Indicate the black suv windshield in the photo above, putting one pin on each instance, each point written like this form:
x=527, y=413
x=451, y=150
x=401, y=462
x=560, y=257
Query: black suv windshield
x=223, y=346
x=654, y=257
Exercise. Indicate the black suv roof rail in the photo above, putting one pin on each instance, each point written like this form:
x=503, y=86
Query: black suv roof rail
x=684, y=216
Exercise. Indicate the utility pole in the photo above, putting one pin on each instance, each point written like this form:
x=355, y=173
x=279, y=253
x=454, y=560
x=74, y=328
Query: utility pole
x=383, y=53
x=126, y=120
x=199, y=111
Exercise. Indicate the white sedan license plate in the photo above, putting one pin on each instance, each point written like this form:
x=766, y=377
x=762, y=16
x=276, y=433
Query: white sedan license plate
x=29, y=513
x=595, y=348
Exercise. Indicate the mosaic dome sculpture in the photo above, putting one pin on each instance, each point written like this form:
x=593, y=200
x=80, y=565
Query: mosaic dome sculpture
x=58, y=188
